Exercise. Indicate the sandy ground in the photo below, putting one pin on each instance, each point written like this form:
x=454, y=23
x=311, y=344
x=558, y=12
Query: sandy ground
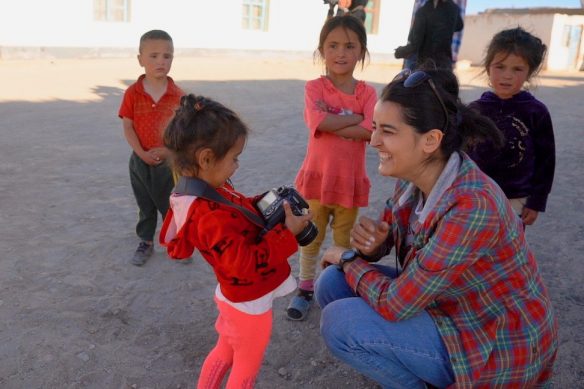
x=75, y=314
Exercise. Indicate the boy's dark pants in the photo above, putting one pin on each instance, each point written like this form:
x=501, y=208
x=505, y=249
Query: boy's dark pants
x=152, y=186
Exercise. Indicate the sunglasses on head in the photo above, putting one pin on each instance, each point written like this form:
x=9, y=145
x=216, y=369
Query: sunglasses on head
x=412, y=80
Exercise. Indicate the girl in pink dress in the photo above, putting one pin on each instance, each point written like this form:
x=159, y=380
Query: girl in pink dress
x=333, y=179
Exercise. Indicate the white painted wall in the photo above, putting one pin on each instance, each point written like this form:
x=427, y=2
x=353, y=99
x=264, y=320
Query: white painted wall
x=558, y=53
x=193, y=24
x=479, y=29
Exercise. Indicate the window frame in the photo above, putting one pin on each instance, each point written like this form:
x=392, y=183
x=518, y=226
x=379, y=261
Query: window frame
x=249, y=18
x=107, y=10
x=372, y=17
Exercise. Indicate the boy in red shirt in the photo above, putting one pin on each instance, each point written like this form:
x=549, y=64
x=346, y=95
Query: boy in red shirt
x=146, y=109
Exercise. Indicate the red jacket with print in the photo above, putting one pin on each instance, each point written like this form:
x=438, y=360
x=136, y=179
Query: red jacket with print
x=245, y=267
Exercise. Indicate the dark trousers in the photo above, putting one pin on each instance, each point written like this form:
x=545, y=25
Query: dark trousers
x=152, y=186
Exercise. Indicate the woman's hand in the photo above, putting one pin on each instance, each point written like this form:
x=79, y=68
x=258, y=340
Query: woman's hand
x=296, y=223
x=332, y=256
x=368, y=234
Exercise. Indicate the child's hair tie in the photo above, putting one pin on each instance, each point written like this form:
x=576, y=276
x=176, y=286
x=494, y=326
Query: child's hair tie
x=198, y=106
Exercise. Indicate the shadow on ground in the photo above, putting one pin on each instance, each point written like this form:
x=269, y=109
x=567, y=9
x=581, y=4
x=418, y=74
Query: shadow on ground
x=76, y=315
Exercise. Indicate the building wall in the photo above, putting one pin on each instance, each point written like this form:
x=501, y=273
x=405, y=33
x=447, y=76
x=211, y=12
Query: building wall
x=479, y=29
x=550, y=28
x=559, y=54
x=193, y=24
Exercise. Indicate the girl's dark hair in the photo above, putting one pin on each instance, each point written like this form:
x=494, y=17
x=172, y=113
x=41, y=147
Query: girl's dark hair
x=519, y=42
x=422, y=110
x=201, y=122
x=346, y=22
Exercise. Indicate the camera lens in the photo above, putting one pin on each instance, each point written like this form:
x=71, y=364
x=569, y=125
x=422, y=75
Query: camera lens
x=307, y=235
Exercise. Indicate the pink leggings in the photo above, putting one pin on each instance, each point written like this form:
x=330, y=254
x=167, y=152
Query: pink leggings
x=243, y=339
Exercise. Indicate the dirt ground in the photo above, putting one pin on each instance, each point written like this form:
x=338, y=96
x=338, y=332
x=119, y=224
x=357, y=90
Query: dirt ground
x=75, y=314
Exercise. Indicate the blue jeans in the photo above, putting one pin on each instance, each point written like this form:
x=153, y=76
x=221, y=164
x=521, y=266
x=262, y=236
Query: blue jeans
x=405, y=354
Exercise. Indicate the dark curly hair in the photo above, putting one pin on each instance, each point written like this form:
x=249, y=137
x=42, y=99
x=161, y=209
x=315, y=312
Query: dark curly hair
x=201, y=122
x=519, y=42
x=422, y=110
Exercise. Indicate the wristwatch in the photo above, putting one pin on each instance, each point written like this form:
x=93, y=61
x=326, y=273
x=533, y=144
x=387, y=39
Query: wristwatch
x=347, y=256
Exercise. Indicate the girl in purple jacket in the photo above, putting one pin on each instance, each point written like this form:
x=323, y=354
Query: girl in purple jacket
x=524, y=167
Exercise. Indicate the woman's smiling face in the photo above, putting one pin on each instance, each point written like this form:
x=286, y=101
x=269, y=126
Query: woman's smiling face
x=397, y=143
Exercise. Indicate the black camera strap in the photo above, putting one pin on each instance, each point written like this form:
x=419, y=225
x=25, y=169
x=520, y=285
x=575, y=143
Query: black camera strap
x=196, y=187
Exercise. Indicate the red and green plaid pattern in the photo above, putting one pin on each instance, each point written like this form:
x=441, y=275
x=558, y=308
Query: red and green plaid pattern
x=470, y=268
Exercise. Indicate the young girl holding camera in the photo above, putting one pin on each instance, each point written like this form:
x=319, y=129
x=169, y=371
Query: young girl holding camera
x=333, y=178
x=205, y=139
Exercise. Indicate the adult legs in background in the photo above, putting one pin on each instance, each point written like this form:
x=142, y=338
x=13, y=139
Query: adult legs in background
x=411, y=62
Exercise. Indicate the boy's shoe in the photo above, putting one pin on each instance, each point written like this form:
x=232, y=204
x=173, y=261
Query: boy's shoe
x=143, y=252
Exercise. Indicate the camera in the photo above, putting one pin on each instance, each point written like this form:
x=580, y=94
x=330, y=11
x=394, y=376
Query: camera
x=271, y=208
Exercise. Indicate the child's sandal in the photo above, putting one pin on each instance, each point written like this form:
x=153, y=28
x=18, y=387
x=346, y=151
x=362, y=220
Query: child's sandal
x=299, y=305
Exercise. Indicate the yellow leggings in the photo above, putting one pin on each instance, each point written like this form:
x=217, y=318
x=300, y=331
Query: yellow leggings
x=341, y=221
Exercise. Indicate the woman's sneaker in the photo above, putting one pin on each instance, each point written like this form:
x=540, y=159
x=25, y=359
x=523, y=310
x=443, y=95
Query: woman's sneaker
x=143, y=252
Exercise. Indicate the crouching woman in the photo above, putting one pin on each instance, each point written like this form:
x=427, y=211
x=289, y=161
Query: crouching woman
x=466, y=306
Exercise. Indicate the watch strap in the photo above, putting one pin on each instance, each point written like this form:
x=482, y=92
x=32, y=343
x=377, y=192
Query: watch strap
x=347, y=256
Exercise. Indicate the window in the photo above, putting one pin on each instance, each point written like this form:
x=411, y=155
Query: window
x=372, y=16
x=254, y=15
x=111, y=10
x=566, y=36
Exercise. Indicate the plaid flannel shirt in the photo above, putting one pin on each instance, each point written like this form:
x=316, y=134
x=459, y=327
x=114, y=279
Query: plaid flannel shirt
x=470, y=268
